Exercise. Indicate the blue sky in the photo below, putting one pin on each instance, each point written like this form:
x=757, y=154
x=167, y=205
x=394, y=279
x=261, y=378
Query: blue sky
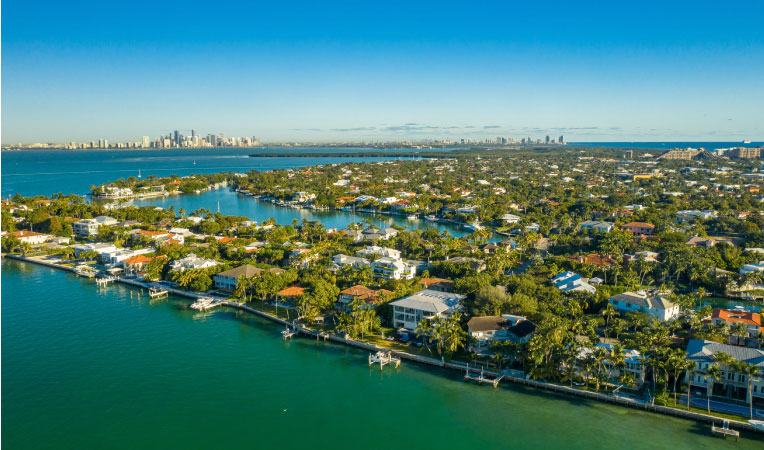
x=291, y=70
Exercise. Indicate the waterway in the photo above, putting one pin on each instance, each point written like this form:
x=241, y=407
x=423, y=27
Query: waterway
x=89, y=368
x=231, y=203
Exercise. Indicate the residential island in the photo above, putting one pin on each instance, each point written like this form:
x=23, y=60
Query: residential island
x=624, y=276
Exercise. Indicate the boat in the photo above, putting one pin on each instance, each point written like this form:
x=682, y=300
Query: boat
x=474, y=226
x=412, y=217
x=431, y=218
x=758, y=424
x=139, y=173
x=194, y=162
x=746, y=141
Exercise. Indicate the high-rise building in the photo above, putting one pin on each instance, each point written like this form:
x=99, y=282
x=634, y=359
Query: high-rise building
x=560, y=140
x=193, y=133
x=547, y=139
x=176, y=138
x=145, y=142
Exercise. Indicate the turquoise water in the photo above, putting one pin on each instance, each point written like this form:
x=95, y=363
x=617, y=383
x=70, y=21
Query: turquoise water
x=85, y=367
x=235, y=204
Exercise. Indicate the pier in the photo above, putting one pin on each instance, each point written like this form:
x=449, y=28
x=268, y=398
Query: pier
x=383, y=358
x=85, y=271
x=725, y=431
x=157, y=292
x=287, y=333
x=480, y=378
x=104, y=281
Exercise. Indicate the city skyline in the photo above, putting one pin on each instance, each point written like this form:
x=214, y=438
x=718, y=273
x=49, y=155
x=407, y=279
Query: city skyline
x=347, y=72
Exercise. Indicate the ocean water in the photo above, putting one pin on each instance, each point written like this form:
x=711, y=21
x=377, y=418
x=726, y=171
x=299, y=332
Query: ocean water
x=91, y=368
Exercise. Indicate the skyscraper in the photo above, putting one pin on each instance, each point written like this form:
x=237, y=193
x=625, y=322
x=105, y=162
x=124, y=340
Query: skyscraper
x=560, y=140
x=547, y=138
x=145, y=142
x=193, y=133
x=177, y=137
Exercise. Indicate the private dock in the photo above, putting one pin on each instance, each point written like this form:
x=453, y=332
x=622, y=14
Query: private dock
x=156, y=292
x=383, y=358
x=104, y=281
x=287, y=333
x=85, y=271
x=480, y=378
x=205, y=303
x=725, y=431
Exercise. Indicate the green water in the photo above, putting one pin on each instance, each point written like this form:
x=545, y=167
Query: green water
x=84, y=367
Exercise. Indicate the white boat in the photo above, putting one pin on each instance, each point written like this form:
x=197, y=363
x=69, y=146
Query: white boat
x=431, y=218
x=474, y=226
x=412, y=217
x=747, y=141
x=758, y=424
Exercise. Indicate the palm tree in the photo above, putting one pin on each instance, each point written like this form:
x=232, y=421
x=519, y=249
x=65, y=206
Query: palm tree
x=739, y=330
x=689, y=366
x=712, y=375
x=609, y=312
x=424, y=330
x=750, y=371
x=601, y=355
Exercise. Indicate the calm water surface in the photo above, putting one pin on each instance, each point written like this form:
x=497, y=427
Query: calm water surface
x=85, y=367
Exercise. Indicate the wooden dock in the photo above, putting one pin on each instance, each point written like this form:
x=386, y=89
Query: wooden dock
x=383, y=358
x=104, y=281
x=287, y=333
x=481, y=378
x=156, y=292
x=725, y=431
x=85, y=271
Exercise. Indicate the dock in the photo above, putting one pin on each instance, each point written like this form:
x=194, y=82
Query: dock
x=383, y=358
x=287, y=333
x=85, y=271
x=206, y=303
x=725, y=431
x=481, y=378
x=104, y=281
x=156, y=292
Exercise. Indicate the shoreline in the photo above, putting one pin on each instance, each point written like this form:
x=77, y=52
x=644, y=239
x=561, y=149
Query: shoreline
x=454, y=366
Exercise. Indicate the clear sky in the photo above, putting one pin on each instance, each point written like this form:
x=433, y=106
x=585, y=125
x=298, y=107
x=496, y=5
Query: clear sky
x=314, y=70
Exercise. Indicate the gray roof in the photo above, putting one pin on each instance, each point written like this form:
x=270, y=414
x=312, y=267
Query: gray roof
x=248, y=271
x=427, y=300
x=704, y=351
x=652, y=301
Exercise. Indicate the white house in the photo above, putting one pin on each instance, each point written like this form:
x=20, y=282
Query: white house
x=228, y=279
x=382, y=252
x=340, y=260
x=748, y=268
x=426, y=304
x=192, y=262
x=88, y=227
x=632, y=363
x=510, y=218
x=389, y=268
x=597, y=225
x=571, y=281
x=30, y=237
x=690, y=215
x=656, y=305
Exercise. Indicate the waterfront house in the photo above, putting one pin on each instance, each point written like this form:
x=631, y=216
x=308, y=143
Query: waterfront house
x=372, y=251
x=597, y=225
x=117, y=256
x=290, y=294
x=30, y=237
x=488, y=329
x=98, y=247
x=632, y=363
x=642, y=256
x=655, y=304
x=751, y=321
x=572, y=282
x=227, y=280
x=389, y=268
x=639, y=228
x=425, y=304
x=369, y=296
x=478, y=265
x=733, y=384
x=192, y=262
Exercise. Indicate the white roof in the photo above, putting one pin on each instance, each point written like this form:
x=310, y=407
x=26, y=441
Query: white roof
x=435, y=302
